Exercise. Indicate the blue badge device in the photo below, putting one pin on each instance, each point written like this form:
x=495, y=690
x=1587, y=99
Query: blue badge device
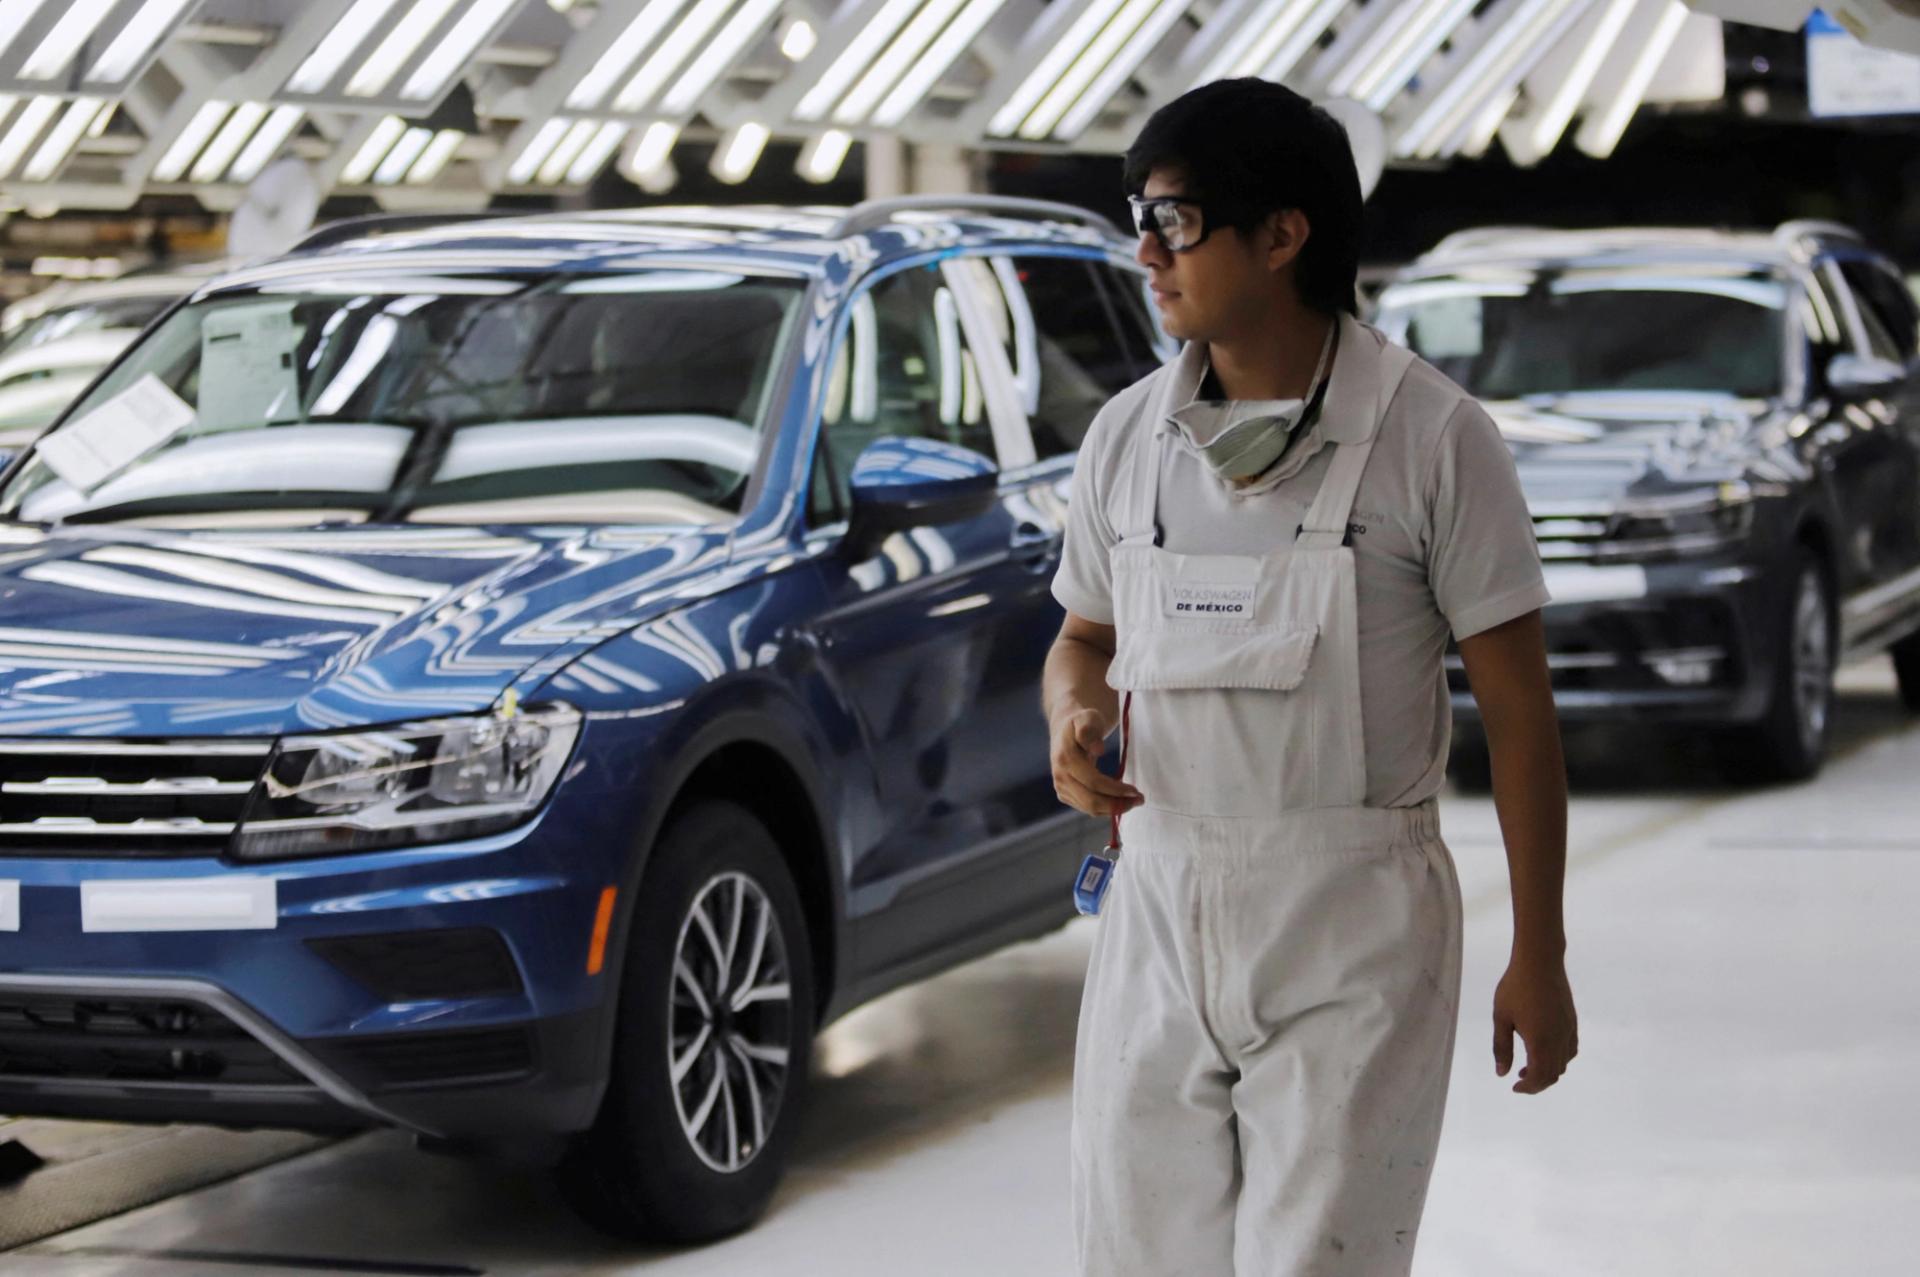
x=1097, y=870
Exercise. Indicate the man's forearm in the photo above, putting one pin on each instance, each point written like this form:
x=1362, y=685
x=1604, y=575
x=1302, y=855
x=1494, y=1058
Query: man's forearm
x=1530, y=796
x=1075, y=679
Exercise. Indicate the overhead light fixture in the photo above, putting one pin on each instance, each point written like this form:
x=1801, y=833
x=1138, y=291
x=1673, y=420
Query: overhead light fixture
x=817, y=101
x=401, y=43
x=920, y=79
x=1087, y=65
x=451, y=54
x=599, y=149
x=266, y=143
x=136, y=40
x=99, y=126
x=434, y=160
x=26, y=128
x=1405, y=40
x=174, y=160
x=373, y=150
x=1287, y=29
x=1494, y=65
x=653, y=148
x=749, y=22
x=73, y=29
x=665, y=60
x=1052, y=65
x=409, y=148
x=1601, y=131
x=1487, y=127
x=324, y=63
x=893, y=63
x=621, y=53
x=227, y=142
x=63, y=138
x=1124, y=63
x=739, y=151
x=1544, y=133
x=821, y=158
x=535, y=153
x=1280, y=63
x=572, y=142
x=798, y=40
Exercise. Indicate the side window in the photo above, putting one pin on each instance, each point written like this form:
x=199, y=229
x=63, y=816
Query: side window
x=903, y=368
x=1887, y=306
x=1063, y=339
x=1148, y=344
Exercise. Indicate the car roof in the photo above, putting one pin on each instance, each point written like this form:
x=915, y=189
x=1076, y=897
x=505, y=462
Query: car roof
x=1794, y=242
x=801, y=241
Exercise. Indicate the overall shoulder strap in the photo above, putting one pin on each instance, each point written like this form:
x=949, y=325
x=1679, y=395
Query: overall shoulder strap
x=1333, y=505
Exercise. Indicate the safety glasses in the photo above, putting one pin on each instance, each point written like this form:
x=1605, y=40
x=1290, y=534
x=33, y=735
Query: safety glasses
x=1179, y=224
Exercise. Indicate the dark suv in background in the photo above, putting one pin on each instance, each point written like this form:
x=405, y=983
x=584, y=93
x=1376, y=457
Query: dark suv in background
x=1719, y=437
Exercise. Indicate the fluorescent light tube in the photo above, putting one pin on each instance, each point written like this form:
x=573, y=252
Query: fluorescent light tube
x=227, y=142
x=206, y=118
x=373, y=150
x=401, y=43
x=451, y=54
x=135, y=41
x=266, y=143
x=348, y=34
x=893, y=15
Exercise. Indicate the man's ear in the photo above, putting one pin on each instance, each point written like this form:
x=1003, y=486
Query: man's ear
x=1287, y=232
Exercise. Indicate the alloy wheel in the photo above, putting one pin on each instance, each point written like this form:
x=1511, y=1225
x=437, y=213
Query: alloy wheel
x=730, y=1022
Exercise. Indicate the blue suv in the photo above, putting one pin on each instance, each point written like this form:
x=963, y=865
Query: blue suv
x=516, y=678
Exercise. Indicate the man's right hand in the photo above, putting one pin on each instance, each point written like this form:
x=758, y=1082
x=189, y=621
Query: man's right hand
x=1079, y=738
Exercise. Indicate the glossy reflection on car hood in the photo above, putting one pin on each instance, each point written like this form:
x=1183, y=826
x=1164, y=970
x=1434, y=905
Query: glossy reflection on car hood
x=123, y=631
x=1602, y=447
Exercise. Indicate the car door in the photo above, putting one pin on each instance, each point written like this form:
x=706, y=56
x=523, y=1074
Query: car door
x=1884, y=463
x=930, y=639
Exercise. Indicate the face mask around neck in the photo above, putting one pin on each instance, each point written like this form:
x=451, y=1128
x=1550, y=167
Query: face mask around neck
x=1239, y=450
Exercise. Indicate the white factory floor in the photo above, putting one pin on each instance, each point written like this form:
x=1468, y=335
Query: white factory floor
x=1746, y=966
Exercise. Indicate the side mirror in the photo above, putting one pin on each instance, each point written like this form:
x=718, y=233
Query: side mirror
x=899, y=484
x=1863, y=376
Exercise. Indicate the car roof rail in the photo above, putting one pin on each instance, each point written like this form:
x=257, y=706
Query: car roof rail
x=872, y=214
x=374, y=224
x=1805, y=228
x=1479, y=237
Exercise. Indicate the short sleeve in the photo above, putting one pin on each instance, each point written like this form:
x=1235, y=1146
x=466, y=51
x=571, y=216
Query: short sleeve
x=1083, y=584
x=1482, y=560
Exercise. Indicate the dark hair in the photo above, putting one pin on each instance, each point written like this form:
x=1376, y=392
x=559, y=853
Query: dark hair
x=1254, y=148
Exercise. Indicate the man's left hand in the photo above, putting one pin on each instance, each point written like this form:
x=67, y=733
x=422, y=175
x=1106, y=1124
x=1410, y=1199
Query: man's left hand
x=1535, y=1001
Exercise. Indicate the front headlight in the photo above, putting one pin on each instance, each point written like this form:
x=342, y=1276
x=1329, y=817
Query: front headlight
x=1702, y=522
x=422, y=782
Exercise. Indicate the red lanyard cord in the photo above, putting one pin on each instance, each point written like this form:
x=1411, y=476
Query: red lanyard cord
x=1126, y=735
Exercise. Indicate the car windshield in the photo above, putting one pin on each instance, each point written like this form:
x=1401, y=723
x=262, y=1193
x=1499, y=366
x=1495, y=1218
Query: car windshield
x=637, y=397
x=1514, y=334
x=85, y=317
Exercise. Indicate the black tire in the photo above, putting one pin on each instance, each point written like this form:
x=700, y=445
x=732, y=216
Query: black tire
x=640, y=1172
x=1906, y=669
x=1790, y=740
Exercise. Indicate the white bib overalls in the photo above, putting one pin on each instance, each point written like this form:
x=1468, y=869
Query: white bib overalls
x=1269, y=1012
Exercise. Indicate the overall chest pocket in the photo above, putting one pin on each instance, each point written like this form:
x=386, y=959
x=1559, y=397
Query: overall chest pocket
x=1207, y=621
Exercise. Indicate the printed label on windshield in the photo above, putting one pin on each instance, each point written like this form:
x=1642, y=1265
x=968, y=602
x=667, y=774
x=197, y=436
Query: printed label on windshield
x=1233, y=601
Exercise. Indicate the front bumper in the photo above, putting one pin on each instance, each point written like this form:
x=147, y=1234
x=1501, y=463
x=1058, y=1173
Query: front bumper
x=269, y=1025
x=1678, y=643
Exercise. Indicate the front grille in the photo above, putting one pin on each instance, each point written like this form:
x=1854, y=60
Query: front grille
x=62, y=1037
x=114, y=798
x=441, y=1058
x=455, y=962
x=1571, y=536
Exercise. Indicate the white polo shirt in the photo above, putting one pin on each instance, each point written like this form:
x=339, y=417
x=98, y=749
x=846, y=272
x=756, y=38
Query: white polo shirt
x=1442, y=540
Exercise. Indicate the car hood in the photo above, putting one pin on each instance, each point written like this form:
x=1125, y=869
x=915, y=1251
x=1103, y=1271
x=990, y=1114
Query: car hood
x=118, y=631
x=1601, y=449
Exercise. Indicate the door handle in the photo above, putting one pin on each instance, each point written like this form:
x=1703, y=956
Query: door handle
x=1034, y=547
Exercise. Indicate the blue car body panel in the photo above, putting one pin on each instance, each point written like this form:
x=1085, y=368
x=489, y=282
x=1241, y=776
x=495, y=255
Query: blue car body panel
x=896, y=696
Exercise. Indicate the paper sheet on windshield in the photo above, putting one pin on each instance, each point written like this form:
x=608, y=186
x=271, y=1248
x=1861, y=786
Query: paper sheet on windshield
x=1448, y=328
x=89, y=451
x=247, y=373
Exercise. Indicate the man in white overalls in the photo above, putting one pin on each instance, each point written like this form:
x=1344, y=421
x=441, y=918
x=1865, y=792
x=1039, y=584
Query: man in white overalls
x=1271, y=540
